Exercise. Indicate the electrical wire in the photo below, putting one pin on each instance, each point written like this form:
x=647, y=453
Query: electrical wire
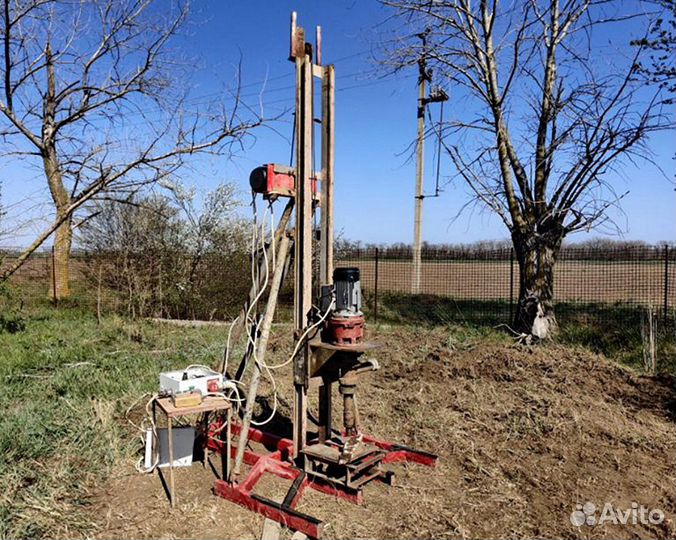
x=149, y=417
x=301, y=341
x=252, y=336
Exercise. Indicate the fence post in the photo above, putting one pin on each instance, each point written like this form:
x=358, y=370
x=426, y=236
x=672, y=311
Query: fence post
x=666, y=283
x=375, y=287
x=511, y=285
x=54, y=296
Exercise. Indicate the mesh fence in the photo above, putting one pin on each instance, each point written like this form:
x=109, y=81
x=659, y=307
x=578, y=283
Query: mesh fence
x=469, y=284
x=483, y=284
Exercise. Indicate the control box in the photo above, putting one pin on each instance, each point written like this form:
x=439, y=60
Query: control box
x=197, y=378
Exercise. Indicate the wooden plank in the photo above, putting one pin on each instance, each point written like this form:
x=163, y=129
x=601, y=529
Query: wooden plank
x=328, y=145
x=209, y=404
x=306, y=190
x=271, y=530
x=303, y=244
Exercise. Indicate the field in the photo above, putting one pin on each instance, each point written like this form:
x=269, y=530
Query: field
x=524, y=434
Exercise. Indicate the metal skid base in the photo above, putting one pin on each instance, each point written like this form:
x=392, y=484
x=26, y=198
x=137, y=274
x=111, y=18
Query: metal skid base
x=278, y=463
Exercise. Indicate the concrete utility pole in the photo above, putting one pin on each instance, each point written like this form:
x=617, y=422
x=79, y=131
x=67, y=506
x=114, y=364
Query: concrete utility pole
x=436, y=95
x=423, y=78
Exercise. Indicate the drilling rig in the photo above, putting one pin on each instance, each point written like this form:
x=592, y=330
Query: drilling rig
x=329, y=341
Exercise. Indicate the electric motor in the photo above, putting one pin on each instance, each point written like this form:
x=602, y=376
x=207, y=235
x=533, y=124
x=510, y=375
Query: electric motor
x=346, y=324
x=348, y=292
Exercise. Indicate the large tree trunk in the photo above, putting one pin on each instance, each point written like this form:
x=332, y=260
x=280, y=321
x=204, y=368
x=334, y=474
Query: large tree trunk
x=536, y=256
x=62, y=244
x=63, y=238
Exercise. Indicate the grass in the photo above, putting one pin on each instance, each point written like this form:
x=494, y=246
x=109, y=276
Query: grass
x=608, y=329
x=65, y=384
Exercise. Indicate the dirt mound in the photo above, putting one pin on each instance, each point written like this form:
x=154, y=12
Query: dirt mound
x=523, y=434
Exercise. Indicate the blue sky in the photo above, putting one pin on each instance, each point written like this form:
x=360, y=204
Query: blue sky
x=375, y=123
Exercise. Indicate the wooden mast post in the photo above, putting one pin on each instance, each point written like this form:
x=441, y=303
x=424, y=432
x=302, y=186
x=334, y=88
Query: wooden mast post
x=303, y=233
x=326, y=232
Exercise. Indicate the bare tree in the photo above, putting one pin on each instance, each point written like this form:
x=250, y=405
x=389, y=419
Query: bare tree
x=130, y=247
x=91, y=93
x=660, y=69
x=545, y=121
x=3, y=216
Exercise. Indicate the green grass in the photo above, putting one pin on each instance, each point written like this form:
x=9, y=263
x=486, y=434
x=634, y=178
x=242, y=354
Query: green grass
x=65, y=384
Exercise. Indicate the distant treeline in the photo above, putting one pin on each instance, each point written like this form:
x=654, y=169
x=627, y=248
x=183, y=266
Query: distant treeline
x=594, y=249
x=501, y=250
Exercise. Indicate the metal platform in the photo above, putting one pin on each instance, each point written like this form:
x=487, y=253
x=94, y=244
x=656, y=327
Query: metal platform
x=329, y=462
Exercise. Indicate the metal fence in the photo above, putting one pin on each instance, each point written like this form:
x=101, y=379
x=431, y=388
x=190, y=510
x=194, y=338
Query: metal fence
x=458, y=284
x=482, y=284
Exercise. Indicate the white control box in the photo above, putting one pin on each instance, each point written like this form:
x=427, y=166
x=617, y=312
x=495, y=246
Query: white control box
x=191, y=379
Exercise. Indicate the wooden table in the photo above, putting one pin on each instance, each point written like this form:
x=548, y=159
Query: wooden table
x=209, y=404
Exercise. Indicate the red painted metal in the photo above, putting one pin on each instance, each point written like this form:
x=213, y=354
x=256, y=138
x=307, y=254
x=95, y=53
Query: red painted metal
x=278, y=463
x=345, y=330
x=287, y=517
x=398, y=452
x=281, y=181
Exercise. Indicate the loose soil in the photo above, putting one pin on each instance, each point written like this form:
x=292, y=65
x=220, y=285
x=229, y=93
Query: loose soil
x=523, y=436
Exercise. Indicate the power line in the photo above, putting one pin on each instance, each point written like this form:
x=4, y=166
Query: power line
x=268, y=79
x=148, y=111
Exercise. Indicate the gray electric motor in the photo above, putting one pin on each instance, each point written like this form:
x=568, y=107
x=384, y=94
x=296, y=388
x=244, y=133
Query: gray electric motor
x=348, y=292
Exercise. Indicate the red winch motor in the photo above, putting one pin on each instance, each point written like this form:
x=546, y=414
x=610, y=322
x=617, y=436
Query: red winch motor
x=276, y=180
x=346, y=324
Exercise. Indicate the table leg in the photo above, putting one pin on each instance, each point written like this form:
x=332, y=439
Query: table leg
x=226, y=469
x=155, y=444
x=205, y=427
x=172, y=495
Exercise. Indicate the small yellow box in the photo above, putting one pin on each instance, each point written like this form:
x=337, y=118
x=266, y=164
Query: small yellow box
x=187, y=399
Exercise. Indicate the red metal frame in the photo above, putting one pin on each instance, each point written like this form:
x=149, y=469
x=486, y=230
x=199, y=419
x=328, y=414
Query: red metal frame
x=278, y=463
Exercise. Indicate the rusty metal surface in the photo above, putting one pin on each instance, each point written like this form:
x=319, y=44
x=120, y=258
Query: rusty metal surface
x=363, y=347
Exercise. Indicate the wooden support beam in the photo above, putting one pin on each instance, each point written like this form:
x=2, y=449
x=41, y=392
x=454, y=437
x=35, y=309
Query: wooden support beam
x=303, y=245
x=328, y=146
